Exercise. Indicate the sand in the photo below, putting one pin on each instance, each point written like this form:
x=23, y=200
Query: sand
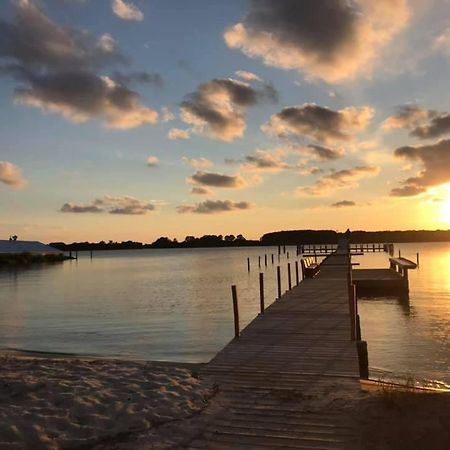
x=73, y=403
x=53, y=403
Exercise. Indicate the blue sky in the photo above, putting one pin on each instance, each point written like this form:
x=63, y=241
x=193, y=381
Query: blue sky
x=308, y=137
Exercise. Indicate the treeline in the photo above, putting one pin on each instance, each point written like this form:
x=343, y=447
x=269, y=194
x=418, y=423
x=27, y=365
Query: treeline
x=294, y=237
x=163, y=242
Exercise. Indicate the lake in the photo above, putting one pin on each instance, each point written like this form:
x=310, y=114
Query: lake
x=175, y=305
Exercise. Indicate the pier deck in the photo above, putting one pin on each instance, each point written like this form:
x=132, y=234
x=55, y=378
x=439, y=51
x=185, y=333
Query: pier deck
x=278, y=381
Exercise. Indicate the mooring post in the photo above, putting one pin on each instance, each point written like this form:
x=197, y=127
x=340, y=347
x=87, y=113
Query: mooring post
x=279, y=281
x=272, y=258
x=279, y=249
x=235, y=311
x=289, y=276
x=265, y=260
x=399, y=253
x=76, y=254
x=248, y=264
x=296, y=273
x=91, y=254
x=70, y=253
x=278, y=257
x=363, y=359
x=287, y=254
x=261, y=292
x=284, y=249
x=417, y=259
x=259, y=261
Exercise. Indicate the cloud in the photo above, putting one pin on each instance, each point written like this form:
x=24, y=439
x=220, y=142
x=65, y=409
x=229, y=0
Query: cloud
x=319, y=123
x=198, y=163
x=201, y=190
x=35, y=41
x=217, y=108
x=152, y=161
x=329, y=40
x=213, y=207
x=247, y=76
x=338, y=179
x=80, y=208
x=167, y=114
x=11, y=175
x=81, y=96
x=57, y=69
x=343, y=204
x=126, y=10
x=125, y=205
x=218, y=180
x=435, y=159
x=422, y=123
x=326, y=153
x=178, y=134
x=442, y=42
x=152, y=78
x=266, y=161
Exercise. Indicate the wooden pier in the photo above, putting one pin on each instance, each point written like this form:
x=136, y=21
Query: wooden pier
x=277, y=381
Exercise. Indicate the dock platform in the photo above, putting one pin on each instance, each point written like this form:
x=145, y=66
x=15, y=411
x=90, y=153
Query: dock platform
x=277, y=382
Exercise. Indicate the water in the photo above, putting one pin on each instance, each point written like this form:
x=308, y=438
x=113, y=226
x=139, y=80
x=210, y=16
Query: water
x=175, y=305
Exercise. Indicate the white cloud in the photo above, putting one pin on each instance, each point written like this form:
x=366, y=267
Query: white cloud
x=126, y=10
x=11, y=175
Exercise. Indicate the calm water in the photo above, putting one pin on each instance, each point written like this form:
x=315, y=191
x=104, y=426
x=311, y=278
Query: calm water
x=176, y=305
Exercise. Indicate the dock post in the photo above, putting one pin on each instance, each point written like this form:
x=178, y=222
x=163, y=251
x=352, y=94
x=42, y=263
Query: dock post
x=91, y=254
x=363, y=359
x=279, y=249
x=417, y=259
x=289, y=276
x=296, y=272
x=70, y=254
x=248, y=264
x=352, y=308
x=284, y=249
x=76, y=254
x=259, y=261
x=272, y=258
x=399, y=253
x=278, y=257
x=261, y=292
x=287, y=254
x=265, y=260
x=235, y=311
x=279, y=281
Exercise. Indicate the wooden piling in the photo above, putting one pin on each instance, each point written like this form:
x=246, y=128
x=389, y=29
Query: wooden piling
x=248, y=264
x=76, y=254
x=259, y=261
x=261, y=292
x=235, y=311
x=284, y=249
x=265, y=260
x=399, y=253
x=70, y=254
x=289, y=276
x=91, y=254
x=296, y=273
x=363, y=359
x=279, y=281
x=417, y=259
x=287, y=254
x=272, y=258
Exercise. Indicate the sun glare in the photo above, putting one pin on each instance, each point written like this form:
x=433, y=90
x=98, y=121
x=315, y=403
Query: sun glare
x=445, y=209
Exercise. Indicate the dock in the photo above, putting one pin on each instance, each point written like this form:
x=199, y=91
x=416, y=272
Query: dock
x=301, y=353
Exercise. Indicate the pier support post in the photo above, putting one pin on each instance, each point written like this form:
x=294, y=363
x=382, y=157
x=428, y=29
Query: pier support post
x=272, y=258
x=296, y=273
x=248, y=264
x=279, y=281
x=363, y=359
x=265, y=260
x=261, y=292
x=259, y=261
x=417, y=259
x=91, y=254
x=235, y=311
x=289, y=276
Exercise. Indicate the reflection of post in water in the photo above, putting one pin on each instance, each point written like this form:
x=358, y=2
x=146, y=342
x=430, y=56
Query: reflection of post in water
x=403, y=301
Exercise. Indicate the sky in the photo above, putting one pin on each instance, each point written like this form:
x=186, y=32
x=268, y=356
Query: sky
x=138, y=119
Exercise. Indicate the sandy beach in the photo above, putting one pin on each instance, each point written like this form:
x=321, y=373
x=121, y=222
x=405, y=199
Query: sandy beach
x=53, y=403
x=81, y=403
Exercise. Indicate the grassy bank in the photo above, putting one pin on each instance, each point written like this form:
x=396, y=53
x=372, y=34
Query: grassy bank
x=25, y=259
